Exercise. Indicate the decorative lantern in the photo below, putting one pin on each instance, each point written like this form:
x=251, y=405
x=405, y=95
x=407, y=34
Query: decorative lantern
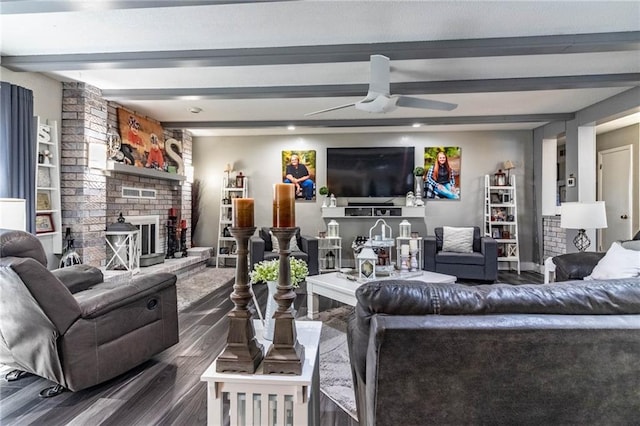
x=123, y=246
x=405, y=229
x=500, y=178
x=333, y=202
x=333, y=229
x=367, y=260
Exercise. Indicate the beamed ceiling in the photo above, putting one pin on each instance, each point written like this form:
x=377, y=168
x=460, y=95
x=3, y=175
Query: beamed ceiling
x=257, y=67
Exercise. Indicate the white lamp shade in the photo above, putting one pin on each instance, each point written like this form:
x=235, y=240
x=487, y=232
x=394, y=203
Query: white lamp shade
x=583, y=215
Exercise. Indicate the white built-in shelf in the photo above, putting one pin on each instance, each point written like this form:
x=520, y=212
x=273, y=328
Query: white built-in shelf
x=374, y=212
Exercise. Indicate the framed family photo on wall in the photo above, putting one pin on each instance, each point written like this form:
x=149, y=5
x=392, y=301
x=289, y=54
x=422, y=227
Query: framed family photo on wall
x=299, y=168
x=442, y=176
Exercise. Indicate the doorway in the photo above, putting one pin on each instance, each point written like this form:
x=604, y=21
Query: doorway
x=615, y=168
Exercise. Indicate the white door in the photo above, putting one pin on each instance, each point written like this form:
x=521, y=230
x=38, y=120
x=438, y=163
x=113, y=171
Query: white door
x=614, y=188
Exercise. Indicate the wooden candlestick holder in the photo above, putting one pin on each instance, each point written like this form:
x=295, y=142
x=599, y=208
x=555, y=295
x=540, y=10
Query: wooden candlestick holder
x=286, y=354
x=243, y=352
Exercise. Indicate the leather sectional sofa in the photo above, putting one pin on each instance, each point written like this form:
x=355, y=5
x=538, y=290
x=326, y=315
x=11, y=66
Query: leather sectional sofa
x=576, y=266
x=444, y=354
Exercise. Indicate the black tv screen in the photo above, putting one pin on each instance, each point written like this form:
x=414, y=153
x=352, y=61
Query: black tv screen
x=370, y=172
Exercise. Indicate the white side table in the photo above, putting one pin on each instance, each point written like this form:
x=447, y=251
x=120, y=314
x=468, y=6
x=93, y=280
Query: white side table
x=268, y=399
x=549, y=270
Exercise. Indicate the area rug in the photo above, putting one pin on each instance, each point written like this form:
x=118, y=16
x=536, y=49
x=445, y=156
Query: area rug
x=194, y=286
x=335, y=367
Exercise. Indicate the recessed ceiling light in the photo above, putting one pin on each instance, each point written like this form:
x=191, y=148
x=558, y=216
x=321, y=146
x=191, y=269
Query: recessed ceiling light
x=416, y=125
x=291, y=127
x=195, y=110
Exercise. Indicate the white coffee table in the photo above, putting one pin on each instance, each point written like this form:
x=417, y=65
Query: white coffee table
x=336, y=287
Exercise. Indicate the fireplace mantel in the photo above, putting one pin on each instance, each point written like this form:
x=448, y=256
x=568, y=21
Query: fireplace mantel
x=141, y=171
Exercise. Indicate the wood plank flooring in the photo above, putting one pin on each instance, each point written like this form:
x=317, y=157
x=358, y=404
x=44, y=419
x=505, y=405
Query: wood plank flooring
x=167, y=389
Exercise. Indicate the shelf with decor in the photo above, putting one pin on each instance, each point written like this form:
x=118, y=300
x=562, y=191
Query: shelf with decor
x=363, y=212
x=114, y=166
x=231, y=188
x=415, y=248
x=501, y=219
x=48, y=205
x=329, y=254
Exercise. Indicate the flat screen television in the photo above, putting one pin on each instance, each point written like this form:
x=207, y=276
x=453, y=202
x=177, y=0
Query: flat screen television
x=370, y=172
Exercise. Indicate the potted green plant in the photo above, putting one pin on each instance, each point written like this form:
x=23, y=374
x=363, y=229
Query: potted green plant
x=267, y=271
x=418, y=171
x=324, y=191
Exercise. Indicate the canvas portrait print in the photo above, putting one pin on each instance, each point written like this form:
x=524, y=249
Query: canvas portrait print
x=143, y=142
x=299, y=168
x=442, y=173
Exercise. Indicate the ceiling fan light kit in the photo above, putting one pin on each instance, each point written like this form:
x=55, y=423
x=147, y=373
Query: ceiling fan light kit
x=379, y=99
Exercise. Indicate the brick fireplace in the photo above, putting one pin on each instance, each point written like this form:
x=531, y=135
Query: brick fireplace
x=92, y=198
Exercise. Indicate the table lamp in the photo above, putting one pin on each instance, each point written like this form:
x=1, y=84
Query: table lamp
x=508, y=165
x=582, y=216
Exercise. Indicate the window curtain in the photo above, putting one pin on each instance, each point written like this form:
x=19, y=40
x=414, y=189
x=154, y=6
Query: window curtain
x=18, y=147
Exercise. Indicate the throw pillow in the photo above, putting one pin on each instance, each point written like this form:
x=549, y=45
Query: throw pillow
x=293, y=245
x=458, y=240
x=617, y=263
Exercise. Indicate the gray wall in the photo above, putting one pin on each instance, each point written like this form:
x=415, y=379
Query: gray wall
x=259, y=157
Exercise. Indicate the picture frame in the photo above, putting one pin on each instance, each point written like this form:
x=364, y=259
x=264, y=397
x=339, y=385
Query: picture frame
x=306, y=160
x=506, y=198
x=43, y=201
x=44, y=223
x=496, y=233
x=44, y=177
x=506, y=235
x=452, y=157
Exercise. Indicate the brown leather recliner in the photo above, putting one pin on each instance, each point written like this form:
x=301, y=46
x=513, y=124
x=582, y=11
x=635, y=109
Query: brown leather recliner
x=71, y=327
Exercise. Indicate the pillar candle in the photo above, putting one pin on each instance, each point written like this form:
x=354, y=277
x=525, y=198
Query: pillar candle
x=173, y=212
x=413, y=245
x=284, y=207
x=404, y=250
x=242, y=213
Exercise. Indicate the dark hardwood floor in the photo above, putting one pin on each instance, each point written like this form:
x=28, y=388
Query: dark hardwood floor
x=167, y=389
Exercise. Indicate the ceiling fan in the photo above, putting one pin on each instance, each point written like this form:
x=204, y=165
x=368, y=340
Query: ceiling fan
x=379, y=98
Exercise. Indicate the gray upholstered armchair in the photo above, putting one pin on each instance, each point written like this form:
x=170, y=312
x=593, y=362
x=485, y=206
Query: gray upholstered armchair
x=261, y=248
x=481, y=264
x=70, y=327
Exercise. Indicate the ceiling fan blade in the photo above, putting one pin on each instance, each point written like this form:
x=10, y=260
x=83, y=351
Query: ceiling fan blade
x=379, y=75
x=411, y=102
x=378, y=104
x=329, y=109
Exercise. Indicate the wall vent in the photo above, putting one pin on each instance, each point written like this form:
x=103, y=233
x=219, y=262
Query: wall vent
x=138, y=193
